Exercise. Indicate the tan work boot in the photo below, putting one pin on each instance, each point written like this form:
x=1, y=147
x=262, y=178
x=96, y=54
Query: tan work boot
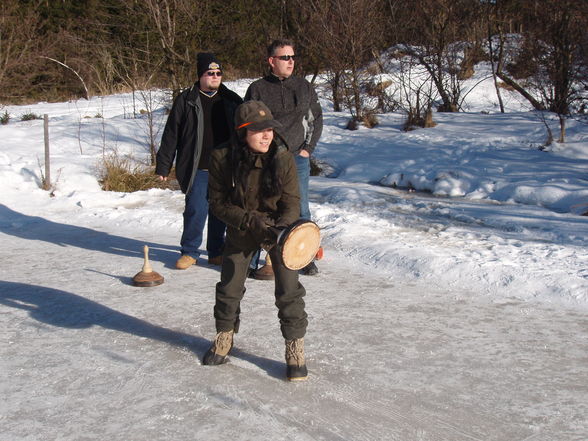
x=185, y=262
x=218, y=352
x=266, y=272
x=295, y=364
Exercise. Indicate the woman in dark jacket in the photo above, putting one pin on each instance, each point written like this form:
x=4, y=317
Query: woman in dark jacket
x=253, y=186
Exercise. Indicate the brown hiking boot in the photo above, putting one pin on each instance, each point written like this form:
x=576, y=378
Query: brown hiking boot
x=266, y=272
x=218, y=352
x=185, y=262
x=218, y=260
x=295, y=364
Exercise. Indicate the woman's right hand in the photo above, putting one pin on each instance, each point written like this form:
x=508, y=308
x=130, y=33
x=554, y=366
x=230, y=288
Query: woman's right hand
x=259, y=229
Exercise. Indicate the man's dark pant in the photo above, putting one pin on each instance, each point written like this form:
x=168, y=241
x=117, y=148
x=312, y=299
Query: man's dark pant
x=289, y=293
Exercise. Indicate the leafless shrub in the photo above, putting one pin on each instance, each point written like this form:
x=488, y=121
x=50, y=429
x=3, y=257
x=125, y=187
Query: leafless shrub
x=370, y=120
x=153, y=117
x=352, y=124
x=5, y=118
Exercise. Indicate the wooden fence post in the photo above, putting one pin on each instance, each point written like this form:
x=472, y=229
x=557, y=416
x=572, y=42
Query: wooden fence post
x=47, y=181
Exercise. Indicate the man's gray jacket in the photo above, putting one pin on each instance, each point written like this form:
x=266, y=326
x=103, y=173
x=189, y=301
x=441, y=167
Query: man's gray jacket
x=294, y=103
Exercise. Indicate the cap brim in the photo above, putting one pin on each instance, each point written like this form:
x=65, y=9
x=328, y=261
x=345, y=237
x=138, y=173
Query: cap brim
x=262, y=125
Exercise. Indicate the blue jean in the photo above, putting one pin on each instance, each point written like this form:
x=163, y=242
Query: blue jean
x=303, y=171
x=195, y=213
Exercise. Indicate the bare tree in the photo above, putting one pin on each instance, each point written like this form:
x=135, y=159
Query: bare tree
x=75, y=72
x=546, y=66
x=154, y=118
x=179, y=27
x=345, y=33
x=495, y=22
x=445, y=35
x=18, y=44
x=415, y=92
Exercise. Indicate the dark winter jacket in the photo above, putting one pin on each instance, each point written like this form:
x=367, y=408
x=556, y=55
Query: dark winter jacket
x=294, y=103
x=242, y=184
x=182, y=136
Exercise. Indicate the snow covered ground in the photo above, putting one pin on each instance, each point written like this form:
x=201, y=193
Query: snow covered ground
x=433, y=317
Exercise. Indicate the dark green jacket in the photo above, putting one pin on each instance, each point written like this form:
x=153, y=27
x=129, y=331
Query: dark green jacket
x=235, y=188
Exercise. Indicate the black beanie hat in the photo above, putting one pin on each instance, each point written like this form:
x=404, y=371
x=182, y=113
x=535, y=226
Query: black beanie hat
x=206, y=61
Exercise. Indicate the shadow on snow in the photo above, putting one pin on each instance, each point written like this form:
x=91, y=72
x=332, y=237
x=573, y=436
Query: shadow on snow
x=37, y=228
x=62, y=309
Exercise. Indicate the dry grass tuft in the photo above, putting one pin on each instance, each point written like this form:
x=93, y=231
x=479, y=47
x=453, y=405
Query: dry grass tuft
x=124, y=175
x=370, y=120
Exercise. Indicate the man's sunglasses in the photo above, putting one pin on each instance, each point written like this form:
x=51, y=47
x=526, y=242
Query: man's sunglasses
x=214, y=74
x=285, y=57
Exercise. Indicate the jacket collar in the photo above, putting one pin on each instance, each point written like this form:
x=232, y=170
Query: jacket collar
x=194, y=93
x=275, y=79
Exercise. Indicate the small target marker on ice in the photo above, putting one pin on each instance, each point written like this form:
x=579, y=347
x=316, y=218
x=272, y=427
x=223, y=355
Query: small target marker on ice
x=319, y=254
x=147, y=277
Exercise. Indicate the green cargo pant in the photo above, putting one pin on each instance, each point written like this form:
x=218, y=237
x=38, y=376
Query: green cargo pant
x=288, y=292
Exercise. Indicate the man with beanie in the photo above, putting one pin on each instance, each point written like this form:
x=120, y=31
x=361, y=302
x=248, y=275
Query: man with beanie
x=200, y=119
x=294, y=103
x=254, y=187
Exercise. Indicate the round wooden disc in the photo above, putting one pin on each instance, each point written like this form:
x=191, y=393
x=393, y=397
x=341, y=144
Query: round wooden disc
x=147, y=279
x=301, y=245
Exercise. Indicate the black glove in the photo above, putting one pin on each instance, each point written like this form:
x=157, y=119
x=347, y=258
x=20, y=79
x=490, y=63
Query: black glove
x=259, y=229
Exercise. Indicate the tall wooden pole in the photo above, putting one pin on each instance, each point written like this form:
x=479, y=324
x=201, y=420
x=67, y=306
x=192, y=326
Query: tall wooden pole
x=47, y=183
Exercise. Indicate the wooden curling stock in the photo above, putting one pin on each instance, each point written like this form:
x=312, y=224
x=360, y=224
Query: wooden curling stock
x=298, y=244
